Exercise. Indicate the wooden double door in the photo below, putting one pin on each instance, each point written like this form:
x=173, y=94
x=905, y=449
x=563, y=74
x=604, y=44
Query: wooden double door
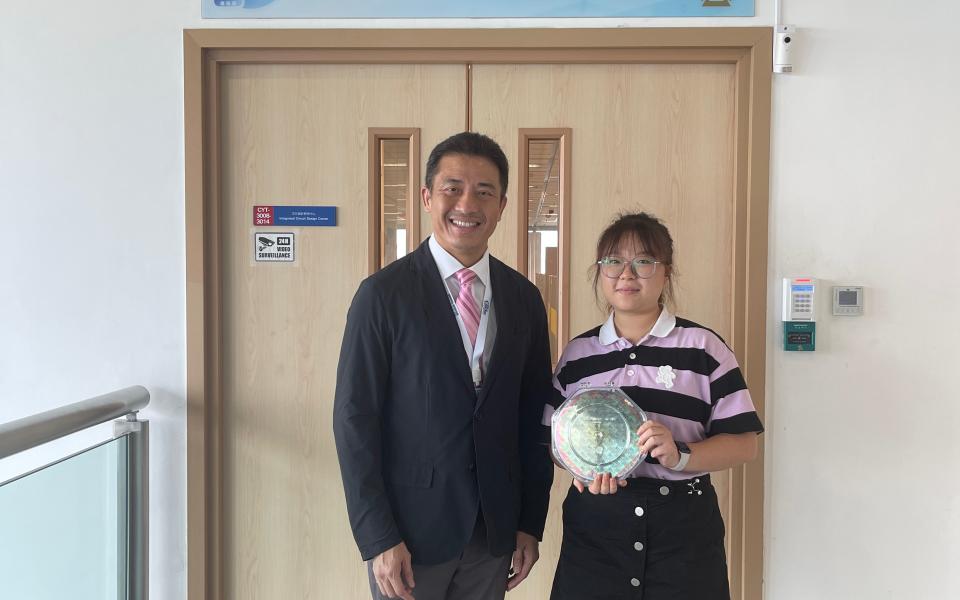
x=639, y=135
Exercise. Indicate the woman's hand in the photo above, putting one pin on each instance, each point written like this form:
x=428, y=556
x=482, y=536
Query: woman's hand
x=604, y=483
x=657, y=441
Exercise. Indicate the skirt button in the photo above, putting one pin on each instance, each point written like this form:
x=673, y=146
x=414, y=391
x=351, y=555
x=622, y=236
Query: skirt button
x=638, y=511
x=635, y=582
x=664, y=490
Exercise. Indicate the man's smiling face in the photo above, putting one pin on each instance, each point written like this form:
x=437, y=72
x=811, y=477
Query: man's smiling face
x=465, y=203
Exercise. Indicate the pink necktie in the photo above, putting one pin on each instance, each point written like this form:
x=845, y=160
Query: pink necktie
x=466, y=304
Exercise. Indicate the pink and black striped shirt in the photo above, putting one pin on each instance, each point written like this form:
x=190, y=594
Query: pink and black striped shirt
x=681, y=374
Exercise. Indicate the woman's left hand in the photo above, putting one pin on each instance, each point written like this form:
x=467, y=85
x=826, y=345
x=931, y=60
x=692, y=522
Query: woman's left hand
x=603, y=483
x=657, y=441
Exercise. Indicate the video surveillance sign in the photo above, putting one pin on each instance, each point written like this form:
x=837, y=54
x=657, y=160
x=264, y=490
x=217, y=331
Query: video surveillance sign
x=367, y=9
x=273, y=246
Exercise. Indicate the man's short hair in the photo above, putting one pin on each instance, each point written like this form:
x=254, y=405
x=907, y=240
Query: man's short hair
x=468, y=143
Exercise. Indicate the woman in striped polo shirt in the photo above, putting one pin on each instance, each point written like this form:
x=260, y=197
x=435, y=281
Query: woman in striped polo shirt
x=657, y=533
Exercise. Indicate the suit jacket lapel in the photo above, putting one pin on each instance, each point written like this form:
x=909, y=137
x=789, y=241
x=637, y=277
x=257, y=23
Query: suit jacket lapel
x=444, y=330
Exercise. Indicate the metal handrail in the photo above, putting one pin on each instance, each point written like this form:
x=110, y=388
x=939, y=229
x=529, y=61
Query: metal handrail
x=29, y=432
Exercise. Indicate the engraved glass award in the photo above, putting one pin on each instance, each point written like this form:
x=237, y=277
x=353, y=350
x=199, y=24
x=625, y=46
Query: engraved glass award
x=595, y=431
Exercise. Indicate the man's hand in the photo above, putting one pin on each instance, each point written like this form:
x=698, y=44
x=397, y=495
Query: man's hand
x=526, y=554
x=393, y=571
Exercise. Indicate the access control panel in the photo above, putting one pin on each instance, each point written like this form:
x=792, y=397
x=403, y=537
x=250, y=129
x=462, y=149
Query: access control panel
x=799, y=314
x=798, y=296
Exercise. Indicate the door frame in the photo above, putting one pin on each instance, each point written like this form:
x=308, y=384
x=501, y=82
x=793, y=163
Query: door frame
x=206, y=50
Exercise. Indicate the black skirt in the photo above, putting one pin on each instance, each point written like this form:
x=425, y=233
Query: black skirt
x=652, y=540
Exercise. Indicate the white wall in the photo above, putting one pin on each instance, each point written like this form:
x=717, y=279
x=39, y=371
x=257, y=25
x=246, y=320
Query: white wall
x=862, y=442
x=861, y=498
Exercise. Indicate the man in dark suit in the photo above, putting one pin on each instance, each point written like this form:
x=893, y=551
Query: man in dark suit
x=444, y=372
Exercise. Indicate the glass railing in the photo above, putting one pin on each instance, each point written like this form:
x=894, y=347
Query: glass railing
x=76, y=528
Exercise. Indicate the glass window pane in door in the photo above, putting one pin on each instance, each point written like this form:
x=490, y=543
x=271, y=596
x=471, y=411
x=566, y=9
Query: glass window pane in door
x=543, y=221
x=394, y=193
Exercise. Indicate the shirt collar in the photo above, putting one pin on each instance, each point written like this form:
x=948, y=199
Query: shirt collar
x=662, y=328
x=448, y=265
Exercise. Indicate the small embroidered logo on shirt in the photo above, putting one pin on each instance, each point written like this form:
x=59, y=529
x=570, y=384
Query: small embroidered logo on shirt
x=665, y=375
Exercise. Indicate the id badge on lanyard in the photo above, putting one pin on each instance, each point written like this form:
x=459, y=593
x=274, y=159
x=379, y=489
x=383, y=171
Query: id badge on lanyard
x=476, y=360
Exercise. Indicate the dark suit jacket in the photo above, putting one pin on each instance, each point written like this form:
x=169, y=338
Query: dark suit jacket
x=420, y=450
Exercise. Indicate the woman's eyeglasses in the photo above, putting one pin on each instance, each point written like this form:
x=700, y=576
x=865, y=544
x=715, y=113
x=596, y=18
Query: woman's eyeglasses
x=613, y=266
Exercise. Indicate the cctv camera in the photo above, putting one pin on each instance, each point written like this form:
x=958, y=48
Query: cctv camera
x=782, y=42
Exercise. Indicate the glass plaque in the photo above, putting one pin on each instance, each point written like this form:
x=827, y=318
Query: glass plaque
x=595, y=431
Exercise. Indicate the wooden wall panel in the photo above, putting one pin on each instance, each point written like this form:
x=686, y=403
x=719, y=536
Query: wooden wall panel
x=651, y=137
x=298, y=134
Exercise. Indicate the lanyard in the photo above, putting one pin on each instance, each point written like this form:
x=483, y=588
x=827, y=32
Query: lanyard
x=476, y=358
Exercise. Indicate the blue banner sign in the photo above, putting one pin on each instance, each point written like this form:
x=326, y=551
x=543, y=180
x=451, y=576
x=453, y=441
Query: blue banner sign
x=385, y=9
x=295, y=216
